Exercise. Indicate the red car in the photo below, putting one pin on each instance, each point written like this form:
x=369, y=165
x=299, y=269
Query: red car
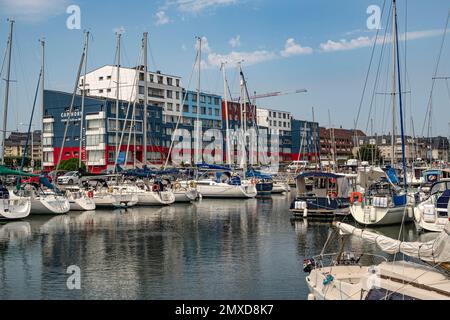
x=35, y=180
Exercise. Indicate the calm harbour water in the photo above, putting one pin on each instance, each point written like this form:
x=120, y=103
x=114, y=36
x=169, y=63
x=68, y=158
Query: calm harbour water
x=214, y=249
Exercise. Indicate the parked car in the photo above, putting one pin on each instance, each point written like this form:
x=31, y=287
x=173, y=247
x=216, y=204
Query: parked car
x=70, y=178
x=56, y=174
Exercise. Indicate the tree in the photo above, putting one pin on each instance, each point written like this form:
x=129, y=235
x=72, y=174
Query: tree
x=370, y=153
x=71, y=165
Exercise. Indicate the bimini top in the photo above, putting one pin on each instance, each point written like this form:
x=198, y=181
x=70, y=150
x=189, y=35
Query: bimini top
x=319, y=174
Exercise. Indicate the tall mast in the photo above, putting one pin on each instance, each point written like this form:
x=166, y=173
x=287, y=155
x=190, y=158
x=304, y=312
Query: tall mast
x=43, y=103
x=225, y=96
x=145, y=45
x=119, y=35
x=8, y=76
x=394, y=79
x=405, y=181
x=198, y=144
x=83, y=95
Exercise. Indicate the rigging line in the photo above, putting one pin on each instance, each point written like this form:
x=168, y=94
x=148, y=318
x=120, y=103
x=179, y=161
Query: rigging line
x=4, y=59
x=433, y=82
x=377, y=74
x=368, y=71
x=180, y=116
x=448, y=88
x=20, y=60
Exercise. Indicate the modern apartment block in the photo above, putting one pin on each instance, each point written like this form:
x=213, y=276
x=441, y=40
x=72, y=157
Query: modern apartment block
x=163, y=90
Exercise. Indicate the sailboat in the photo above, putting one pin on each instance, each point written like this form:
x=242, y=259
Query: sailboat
x=385, y=203
x=14, y=205
x=433, y=213
x=349, y=279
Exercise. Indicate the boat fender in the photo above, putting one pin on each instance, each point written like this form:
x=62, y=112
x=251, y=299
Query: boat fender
x=311, y=297
x=254, y=182
x=155, y=187
x=193, y=184
x=176, y=186
x=328, y=280
x=410, y=213
x=373, y=214
x=305, y=213
x=91, y=194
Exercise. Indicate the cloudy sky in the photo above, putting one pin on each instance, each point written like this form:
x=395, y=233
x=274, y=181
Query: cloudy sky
x=323, y=46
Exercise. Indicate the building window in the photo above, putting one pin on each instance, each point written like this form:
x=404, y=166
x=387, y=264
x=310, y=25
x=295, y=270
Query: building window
x=185, y=108
x=177, y=95
x=67, y=154
x=216, y=101
x=202, y=99
x=48, y=127
x=169, y=81
x=141, y=90
x=47, y=142
x=48, y=157
x=151, y=78
x=194, y=109
x=95, y=156
x=100, y=91
x=178, y=107
x=169, y=94
x=108, y=90
x=94, y=124
x=209, y=99
x=100, y=78
x=177, y=81
x=160, y=79
x=108, y=77
x=203, y=110
x=92, y=141
x=194, y=97
x=217, y=112
x=170, y=107
x=141, y=76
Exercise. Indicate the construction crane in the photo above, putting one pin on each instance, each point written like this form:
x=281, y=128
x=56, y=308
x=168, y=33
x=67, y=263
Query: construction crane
x=274, y=94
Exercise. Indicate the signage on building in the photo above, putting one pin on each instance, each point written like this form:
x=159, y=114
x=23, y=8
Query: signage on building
x=74, y=116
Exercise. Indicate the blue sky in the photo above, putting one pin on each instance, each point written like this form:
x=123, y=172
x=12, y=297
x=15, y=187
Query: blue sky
x=286, y=45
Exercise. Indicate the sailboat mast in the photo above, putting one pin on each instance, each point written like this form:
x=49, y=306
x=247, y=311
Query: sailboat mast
x=225, y=96
x=394, y=80
x=145, y=45
x=118, y=93
x=402, y=127
x=198, y=144
x=8, y=79
x=42, y=102
x=83, y=96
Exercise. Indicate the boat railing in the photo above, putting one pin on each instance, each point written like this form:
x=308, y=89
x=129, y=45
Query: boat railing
x=347, y=258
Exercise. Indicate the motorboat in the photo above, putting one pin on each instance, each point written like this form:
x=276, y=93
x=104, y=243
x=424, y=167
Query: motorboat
x=321, y=194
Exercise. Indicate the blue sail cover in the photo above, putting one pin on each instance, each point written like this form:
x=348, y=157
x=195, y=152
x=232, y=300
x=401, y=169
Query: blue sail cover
x=258, y=175
x=44, y=181
x=212, y=167
x=392, y=176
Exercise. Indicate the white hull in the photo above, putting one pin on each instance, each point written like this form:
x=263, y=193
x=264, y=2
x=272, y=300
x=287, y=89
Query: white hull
x=279, y=188
x=431, y=223
x=15, y=208
x=223, y=190
x=182, y=195
x=110, y=200
x=374, y=216
x=49, y=204
x=355, y=282
x=150, y=198
x=83, y=204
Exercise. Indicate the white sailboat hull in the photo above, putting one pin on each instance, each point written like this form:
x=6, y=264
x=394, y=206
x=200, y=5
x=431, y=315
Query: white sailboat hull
x=222, y=190
x=82, y=204
x=431, y=222
x=374, y=216
x=183, y=195
x=279, y=188
x=15, y=208
x=150, y=198
x=108, y=201
x=49, y=205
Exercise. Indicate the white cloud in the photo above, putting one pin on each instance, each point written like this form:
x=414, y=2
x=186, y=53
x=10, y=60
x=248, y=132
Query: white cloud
x=215, y=60
x=205, y=46
x=33, y=10
x=120, y=30
x=294, y=49
x=195, y=6
x=161, y=18
x=363, y=42
x=235, y=42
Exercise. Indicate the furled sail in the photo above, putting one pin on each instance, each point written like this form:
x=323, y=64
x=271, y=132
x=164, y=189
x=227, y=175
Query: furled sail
x=436, y=251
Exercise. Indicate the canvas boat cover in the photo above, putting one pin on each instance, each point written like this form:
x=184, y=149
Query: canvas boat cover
x=436, y=251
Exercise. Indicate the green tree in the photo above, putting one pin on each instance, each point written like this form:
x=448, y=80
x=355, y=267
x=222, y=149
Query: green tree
x=369, y=153
x=71, y=165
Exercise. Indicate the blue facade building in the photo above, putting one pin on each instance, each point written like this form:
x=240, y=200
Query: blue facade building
x=305, y=140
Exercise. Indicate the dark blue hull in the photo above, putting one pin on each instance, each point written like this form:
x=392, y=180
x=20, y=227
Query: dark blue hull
x=264, y=189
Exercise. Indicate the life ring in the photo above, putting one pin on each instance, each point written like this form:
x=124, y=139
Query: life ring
x=90, y=194
x=356, y=195
x=176, y=186
x=254, y=182
x=333, y=180
x=155, y=187
x=110, y=190
x=193, y=184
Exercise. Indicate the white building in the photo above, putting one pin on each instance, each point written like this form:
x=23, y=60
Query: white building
x=276, y=121
x=163, y=90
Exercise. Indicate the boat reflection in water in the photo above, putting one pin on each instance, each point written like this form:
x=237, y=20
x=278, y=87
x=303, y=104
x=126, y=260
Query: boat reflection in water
x=15, y=231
